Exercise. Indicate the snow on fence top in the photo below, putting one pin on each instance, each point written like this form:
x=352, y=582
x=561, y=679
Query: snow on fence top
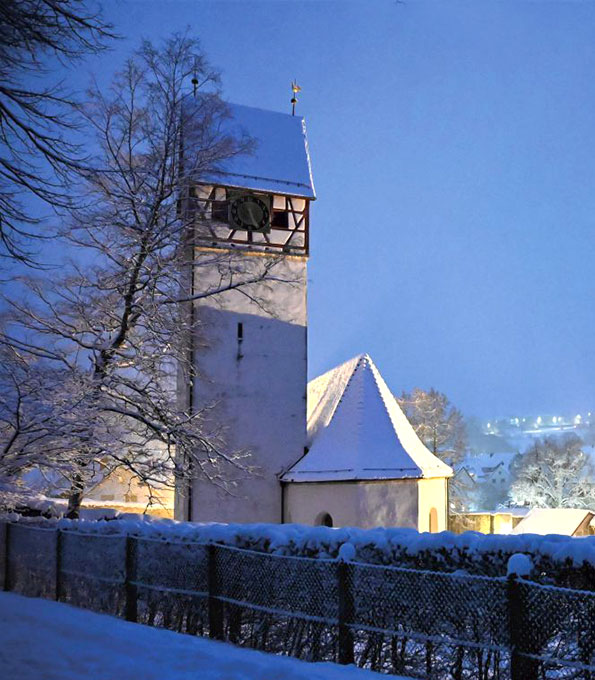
x=553, y=556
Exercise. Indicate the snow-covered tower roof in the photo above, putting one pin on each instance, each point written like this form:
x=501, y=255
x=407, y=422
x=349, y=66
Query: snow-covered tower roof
x=280, y=160
x=357, y=431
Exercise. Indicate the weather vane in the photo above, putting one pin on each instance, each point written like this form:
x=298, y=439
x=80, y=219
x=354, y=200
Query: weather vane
x=295, y=88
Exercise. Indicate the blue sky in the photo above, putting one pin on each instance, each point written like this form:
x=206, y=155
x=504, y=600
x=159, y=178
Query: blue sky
x=453, y=145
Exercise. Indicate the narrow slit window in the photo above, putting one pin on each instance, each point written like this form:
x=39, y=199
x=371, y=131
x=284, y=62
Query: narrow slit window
x=433, y=520
x=240, y=331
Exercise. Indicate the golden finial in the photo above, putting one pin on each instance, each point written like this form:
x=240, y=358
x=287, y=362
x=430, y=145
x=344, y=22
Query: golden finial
x=295, y=88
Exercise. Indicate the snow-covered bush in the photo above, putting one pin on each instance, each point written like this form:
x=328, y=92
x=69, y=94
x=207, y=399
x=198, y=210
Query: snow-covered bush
x=519, y=564
x=556, y=559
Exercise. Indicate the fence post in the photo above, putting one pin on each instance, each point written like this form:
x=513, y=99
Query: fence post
x=58, y=592
x=6, y=550
x=521, y=667
x=215, y=607
x=345, y=612
x=130, y=583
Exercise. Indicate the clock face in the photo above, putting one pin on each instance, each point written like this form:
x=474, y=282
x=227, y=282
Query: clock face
x=249, y=212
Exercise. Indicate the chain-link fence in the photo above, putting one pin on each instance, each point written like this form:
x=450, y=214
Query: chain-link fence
x=423, y=624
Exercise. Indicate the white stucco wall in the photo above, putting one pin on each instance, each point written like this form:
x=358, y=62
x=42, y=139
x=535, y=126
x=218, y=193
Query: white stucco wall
x=389, y=504
x=363, y=504
x=392, y=503
x=306, y=502
x=255, y=388
x=433, y=494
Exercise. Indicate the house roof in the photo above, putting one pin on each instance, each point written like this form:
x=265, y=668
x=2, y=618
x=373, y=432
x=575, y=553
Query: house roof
x=357, y=431
x=280, y=160
x=484, y=465
x=563, y=521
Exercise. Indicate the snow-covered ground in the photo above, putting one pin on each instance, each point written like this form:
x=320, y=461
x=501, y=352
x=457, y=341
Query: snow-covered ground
x=43, y=640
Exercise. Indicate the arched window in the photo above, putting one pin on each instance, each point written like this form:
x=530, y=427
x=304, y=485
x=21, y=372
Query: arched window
x=324, y=520
x=433, y=520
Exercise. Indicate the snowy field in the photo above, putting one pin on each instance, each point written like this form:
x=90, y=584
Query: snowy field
x=43, y=640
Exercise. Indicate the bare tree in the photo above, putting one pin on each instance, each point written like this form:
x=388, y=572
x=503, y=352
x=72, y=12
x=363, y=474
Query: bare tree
x=38, y=154
x=554, y=473
x=115, y=319
x=25, y=424
x=439, y=425
x=37, y=427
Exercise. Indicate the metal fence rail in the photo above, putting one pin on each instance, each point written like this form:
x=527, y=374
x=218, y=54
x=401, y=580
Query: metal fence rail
x=425, y=624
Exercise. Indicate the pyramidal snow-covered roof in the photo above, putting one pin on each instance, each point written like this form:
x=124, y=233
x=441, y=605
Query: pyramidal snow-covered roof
x=357, y=431
x=279, y=162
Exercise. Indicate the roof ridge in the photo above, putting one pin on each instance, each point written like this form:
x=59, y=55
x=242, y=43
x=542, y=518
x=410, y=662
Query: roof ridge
x=395, y=410
x=345, y=390
x=359, y=371
x=375, y=372
x=266, y=179
x=260, y=108
x=334, y=371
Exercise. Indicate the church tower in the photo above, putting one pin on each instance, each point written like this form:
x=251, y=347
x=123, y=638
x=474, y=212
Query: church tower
x=249, y=350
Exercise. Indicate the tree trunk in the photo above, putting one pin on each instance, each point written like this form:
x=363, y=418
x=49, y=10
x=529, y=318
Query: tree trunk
x=75, y=497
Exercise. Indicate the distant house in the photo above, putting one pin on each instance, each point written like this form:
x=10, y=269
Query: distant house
x=120, y=490
x=496, y=522
x=123, y=491
x=564, y=521
x=491, y=475
x=365, y=465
